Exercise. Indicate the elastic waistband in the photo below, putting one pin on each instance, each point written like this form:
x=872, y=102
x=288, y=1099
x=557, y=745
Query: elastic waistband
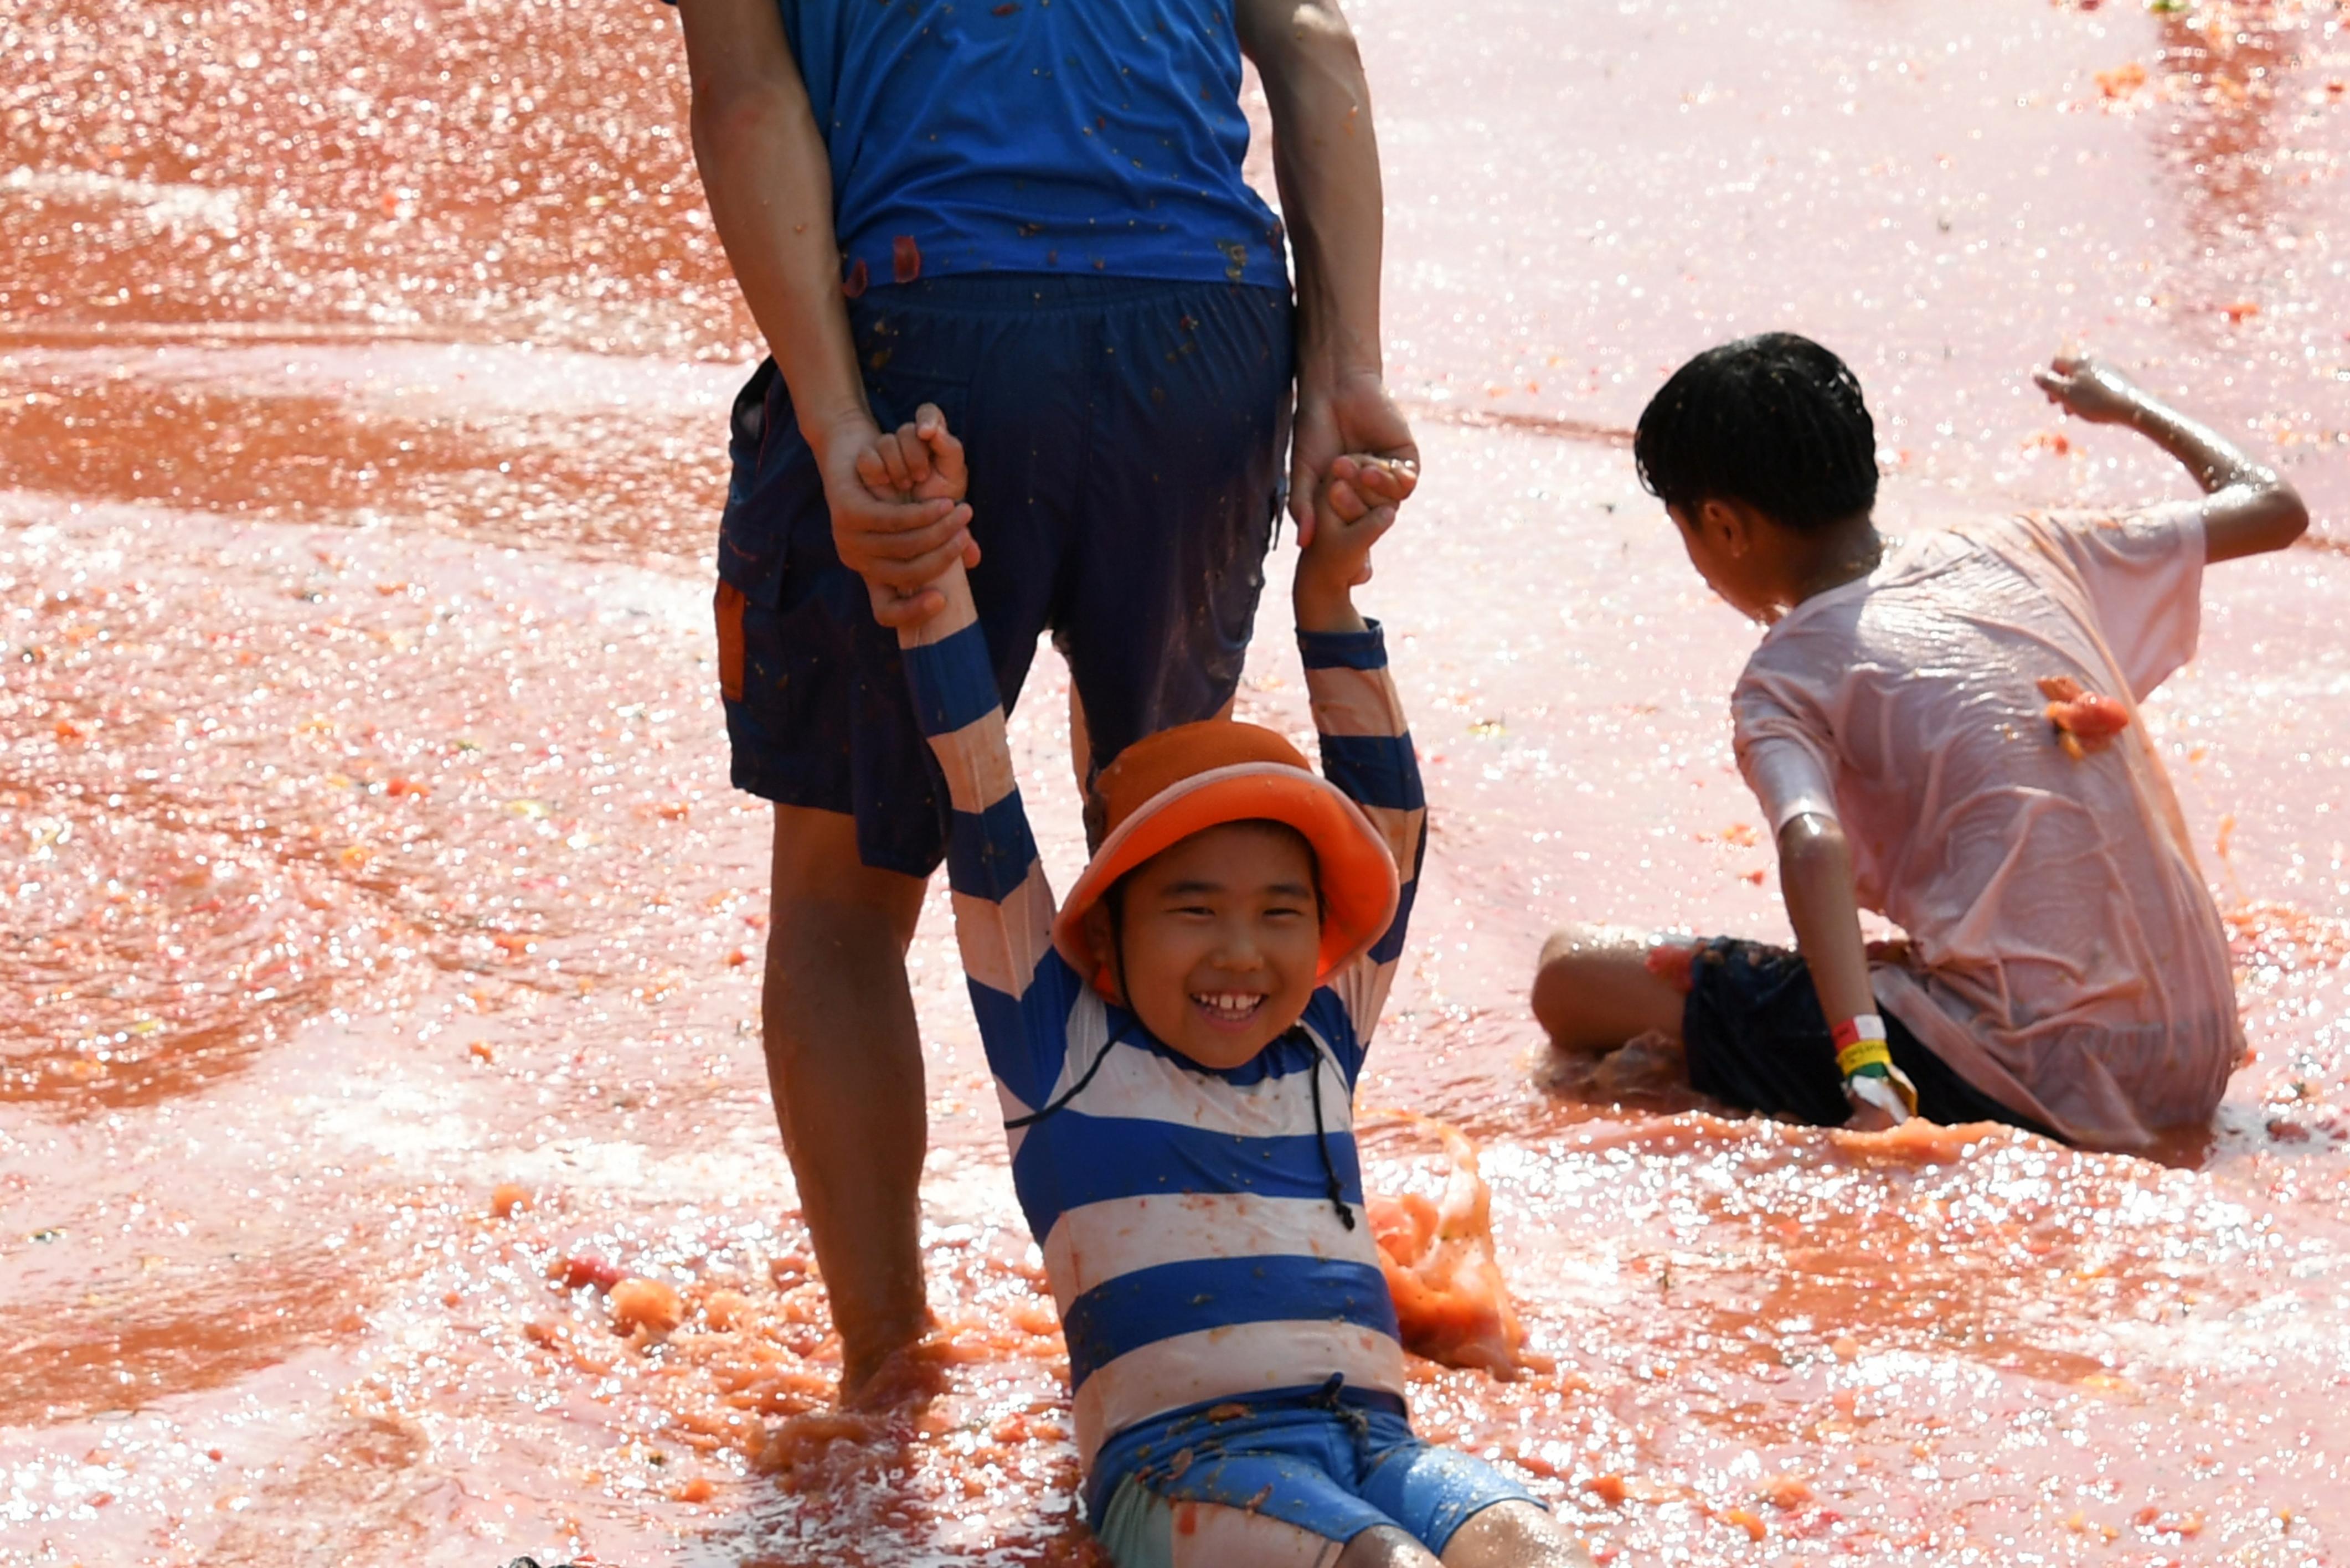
x=1115, y=1461
x=1273, y=1401
x=1016, y=291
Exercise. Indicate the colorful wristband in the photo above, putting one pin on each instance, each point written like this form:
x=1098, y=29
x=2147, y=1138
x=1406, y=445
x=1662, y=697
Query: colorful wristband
x=1871, y=1056
x=1865, y=1060
x=1860, y=1026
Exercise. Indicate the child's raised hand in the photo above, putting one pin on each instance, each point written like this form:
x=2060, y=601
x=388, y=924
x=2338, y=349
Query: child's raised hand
x=2088, y=388
x=1356, y=507
x=921, y=461
x=1360, y=483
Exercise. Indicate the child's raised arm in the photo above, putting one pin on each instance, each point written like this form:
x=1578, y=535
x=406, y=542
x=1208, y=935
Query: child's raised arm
x=1002, y=904
x=2252, y=509
x=1367, y=747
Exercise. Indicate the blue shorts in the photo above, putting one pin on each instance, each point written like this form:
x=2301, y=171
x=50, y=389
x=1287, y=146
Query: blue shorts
x=1126, y=440
x=1279, y=1478
x=1756, y=1038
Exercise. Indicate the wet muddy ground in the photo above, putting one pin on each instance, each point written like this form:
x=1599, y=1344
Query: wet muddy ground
x=379, y=979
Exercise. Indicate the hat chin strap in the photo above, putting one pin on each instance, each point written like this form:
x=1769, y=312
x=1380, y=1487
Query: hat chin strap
x=1113, y=966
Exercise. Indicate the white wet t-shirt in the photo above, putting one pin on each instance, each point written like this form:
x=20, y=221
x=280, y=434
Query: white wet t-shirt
x=2066, y=957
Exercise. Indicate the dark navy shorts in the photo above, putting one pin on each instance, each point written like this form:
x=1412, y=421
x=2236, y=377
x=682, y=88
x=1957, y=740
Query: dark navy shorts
x=1327, y=1465
x=1756, y=1039
x=1126, y=440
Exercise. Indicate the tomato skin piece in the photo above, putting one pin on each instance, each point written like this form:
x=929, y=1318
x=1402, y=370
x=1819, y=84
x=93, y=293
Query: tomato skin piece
x=2094, y=715
x=2086, y=720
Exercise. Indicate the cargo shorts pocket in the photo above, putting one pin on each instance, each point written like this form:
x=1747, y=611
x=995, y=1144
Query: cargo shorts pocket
x=729, y=607
x=771, y=481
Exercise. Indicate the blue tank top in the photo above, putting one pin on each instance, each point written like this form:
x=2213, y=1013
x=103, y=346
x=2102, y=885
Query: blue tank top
x=1073, y=136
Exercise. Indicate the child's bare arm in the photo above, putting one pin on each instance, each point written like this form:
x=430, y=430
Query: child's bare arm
x=1816, y=880
x=2252, y=509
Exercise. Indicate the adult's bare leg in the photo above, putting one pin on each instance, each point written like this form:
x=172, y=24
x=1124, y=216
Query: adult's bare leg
x=1594, y=990
x=845, y=1066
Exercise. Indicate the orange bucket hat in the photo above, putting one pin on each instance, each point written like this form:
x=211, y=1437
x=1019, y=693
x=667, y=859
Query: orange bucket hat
x=1167, y=786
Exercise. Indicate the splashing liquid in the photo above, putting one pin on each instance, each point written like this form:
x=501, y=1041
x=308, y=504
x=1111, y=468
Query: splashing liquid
x=1437, y=1256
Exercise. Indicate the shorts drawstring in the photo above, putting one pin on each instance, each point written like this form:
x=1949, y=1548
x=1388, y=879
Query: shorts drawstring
x=1358, y=1422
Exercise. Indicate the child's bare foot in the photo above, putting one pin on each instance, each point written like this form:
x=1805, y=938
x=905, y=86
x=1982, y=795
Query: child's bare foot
x=922, y=461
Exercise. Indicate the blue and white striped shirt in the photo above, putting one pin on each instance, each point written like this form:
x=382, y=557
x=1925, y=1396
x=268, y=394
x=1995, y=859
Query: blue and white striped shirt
x=1184, y=1212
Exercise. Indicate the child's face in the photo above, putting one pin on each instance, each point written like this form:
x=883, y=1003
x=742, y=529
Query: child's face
x=1220, y=937
x=1724, y=546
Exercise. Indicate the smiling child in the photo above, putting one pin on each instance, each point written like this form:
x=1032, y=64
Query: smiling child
x=1176, y=1049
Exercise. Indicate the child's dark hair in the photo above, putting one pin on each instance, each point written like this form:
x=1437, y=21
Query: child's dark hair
x=1773, y=421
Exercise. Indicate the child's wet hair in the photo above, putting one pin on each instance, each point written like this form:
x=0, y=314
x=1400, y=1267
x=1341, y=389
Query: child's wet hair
x=1773, y=421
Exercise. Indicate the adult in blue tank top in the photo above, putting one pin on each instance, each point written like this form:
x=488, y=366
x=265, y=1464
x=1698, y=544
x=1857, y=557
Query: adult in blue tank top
x=1031, y=214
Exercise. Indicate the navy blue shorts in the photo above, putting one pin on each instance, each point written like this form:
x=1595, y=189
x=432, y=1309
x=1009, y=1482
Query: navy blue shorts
x=1756, y=1039
x=1314, y=1466
x=1127, y=441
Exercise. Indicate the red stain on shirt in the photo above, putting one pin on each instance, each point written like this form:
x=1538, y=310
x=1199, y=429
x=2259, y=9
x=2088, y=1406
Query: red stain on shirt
x=2086, y=720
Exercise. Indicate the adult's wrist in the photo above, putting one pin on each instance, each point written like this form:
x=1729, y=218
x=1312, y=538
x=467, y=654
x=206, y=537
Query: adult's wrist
x=827, y=428
x=1329, y=367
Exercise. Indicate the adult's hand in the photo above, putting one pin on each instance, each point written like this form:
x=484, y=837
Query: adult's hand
x=1348, y=415
x=898, y=539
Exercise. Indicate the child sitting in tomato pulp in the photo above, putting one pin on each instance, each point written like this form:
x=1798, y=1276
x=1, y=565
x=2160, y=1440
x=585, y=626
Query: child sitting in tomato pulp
x=1943, y=729
x=1176, y=1048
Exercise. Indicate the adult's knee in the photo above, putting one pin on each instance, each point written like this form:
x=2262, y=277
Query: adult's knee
x=823, y=893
